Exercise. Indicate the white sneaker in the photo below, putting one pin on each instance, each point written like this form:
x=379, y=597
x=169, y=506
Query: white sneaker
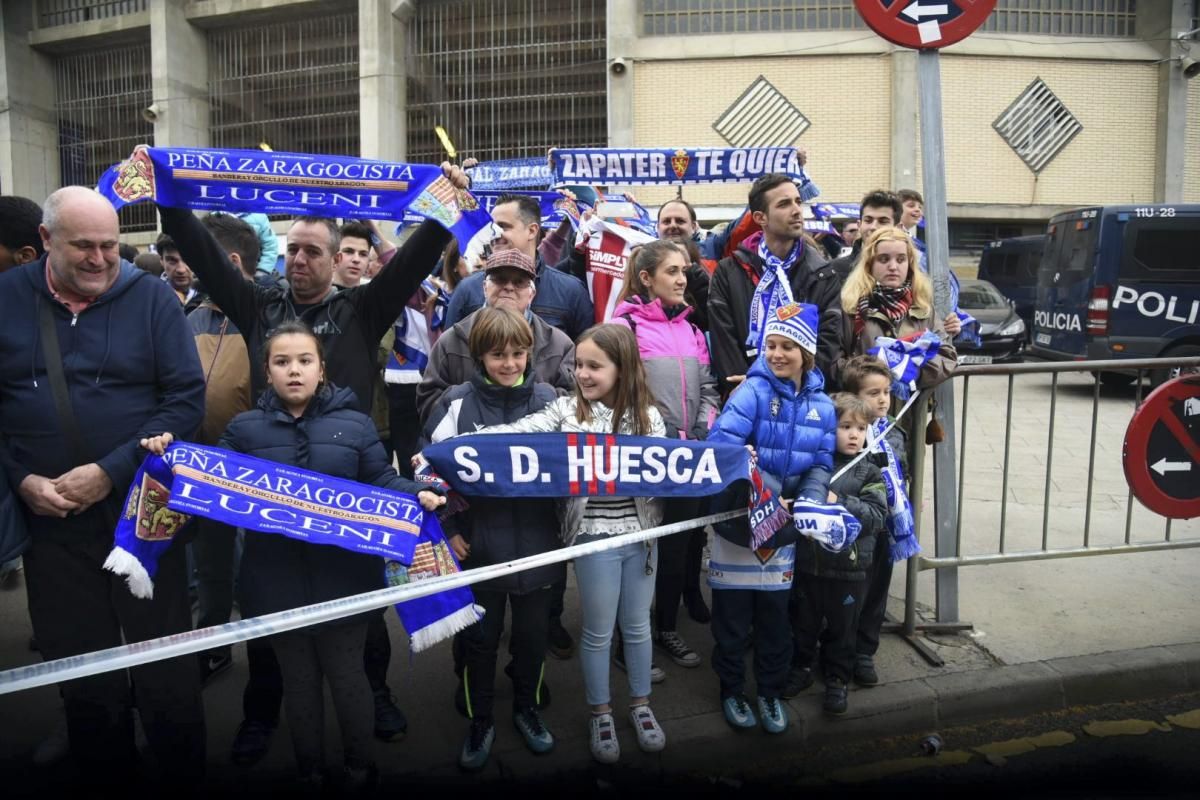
x=650, y=734
x=605, y=747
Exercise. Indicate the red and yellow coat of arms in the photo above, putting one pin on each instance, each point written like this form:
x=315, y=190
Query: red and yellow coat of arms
x=679, y=163
x=135, y=180
x=155, y=522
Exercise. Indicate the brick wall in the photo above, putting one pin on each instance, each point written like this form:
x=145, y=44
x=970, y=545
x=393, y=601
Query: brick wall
x=1191, y=158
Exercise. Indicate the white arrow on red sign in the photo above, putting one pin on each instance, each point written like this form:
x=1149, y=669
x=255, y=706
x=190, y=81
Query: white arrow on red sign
x=1162, y=466
x=929, y=30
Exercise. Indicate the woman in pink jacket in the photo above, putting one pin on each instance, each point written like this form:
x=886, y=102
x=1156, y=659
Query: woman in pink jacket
x=675, y=353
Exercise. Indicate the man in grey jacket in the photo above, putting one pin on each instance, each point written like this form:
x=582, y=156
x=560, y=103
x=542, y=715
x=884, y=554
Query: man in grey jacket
x=508, y=283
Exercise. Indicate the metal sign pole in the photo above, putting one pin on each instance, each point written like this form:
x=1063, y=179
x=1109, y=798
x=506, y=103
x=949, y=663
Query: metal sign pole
x=933, y=170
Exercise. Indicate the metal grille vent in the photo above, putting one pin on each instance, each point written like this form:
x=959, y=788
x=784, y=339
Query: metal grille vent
x=761, y=117
x=1037, y=125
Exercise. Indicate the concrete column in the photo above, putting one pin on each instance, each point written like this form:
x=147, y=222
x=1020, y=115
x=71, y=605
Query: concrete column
x=382, y=87
x=904, y=120
x=29, y=164
x=1164, y=21
x=623, y=21
x=179, y=68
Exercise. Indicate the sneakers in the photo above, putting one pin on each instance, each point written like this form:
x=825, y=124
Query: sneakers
x=835, y=696
x=738, y=712
x=696, y=607
x=864, y=671
x=618, y=655
x=213, y=665
x=677, y=649
x=10, y=573
x=478, y=745
x=251, y=742
x=558, y=642
x=772, y=714
x=529, y=724
x=390, y=722
x=605, y=747
x=799, y=679
x=649, y=733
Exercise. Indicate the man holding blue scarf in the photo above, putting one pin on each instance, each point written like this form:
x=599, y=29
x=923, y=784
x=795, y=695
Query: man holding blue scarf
x=350, y=323
x=770, y=269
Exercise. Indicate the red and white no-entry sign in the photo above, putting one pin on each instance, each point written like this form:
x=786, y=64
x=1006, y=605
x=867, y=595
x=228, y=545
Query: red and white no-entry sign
x=924, y=24
x=1162, y=449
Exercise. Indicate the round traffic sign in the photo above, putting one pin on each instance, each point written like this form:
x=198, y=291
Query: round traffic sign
x=924, y=24
x=1161, y=455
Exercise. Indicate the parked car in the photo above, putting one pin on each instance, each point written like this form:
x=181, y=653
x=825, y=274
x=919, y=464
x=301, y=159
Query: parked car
x=1001, y=329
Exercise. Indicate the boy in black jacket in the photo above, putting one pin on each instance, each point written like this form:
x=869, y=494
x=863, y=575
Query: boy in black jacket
x=830, y=587
x=496, y=530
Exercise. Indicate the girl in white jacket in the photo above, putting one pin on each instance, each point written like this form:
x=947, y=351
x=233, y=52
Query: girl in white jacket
x=615, y=586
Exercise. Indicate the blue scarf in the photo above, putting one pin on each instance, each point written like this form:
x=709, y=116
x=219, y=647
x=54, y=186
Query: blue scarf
x=513, y=173
x=268, y=497
x=630, y=166
x=831, y=526
x=291, y=183
x=601, y=465
x=413, y=342
x=902, y=534
x=905, y=359
x=773, y=289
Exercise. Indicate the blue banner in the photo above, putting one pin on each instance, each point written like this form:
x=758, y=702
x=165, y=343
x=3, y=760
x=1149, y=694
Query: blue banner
x=291, y=183
x=601, y=464
x=513, y=173
x=674, y=166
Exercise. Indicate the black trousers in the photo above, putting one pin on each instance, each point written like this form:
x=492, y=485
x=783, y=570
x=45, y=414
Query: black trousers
x=695, y=557
x=834, y=604
x=405, y=423
x=527, y=644
x=738, y=614
x=78, y=607
x=673, y=562
x=213, y=552
x=874, y=606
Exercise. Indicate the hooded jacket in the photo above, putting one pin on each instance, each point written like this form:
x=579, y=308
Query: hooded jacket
x=862, y=492
x=500, y=529
x=792, y=430
x=732, y=292
x=131, y=371
x=332, y=437
x=450, y=362
x=560, y=416
x=675, y=353
x=349, y=323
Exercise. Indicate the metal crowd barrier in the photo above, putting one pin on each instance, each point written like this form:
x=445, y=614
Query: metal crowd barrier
x=948, y=509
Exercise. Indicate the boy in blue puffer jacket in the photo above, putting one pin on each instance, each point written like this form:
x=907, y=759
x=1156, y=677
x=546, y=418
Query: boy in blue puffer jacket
x=782, y=412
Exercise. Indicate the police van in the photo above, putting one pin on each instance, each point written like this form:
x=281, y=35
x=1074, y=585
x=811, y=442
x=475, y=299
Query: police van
x=1120, y=282
x=1011, y=265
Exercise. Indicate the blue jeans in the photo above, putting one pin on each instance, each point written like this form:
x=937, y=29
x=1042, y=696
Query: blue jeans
x=614, y=587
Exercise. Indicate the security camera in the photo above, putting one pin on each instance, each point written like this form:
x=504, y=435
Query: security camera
x=618, y=66
x=150, y=113
x=1191, y=67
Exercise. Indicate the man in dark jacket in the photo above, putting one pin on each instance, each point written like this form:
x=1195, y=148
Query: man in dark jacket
x=350, y=323
x=561, y=300
x=879, y=209
x=130, y=370
x=776, y=207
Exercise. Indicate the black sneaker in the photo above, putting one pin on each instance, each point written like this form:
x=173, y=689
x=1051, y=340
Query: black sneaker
x=390, y=723
x=677, y=649
x=835, y=696
x=696, y=607
x=864, y=671
x=799, y=679
x=477, y=747
x=251, y=742
x=213, y=665
x=558, y=642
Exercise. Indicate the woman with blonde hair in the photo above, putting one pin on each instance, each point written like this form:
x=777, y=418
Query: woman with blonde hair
x=887, y=294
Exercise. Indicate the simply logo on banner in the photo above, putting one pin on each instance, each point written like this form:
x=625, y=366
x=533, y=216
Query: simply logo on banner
x=683, y=165
x=291, y=183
